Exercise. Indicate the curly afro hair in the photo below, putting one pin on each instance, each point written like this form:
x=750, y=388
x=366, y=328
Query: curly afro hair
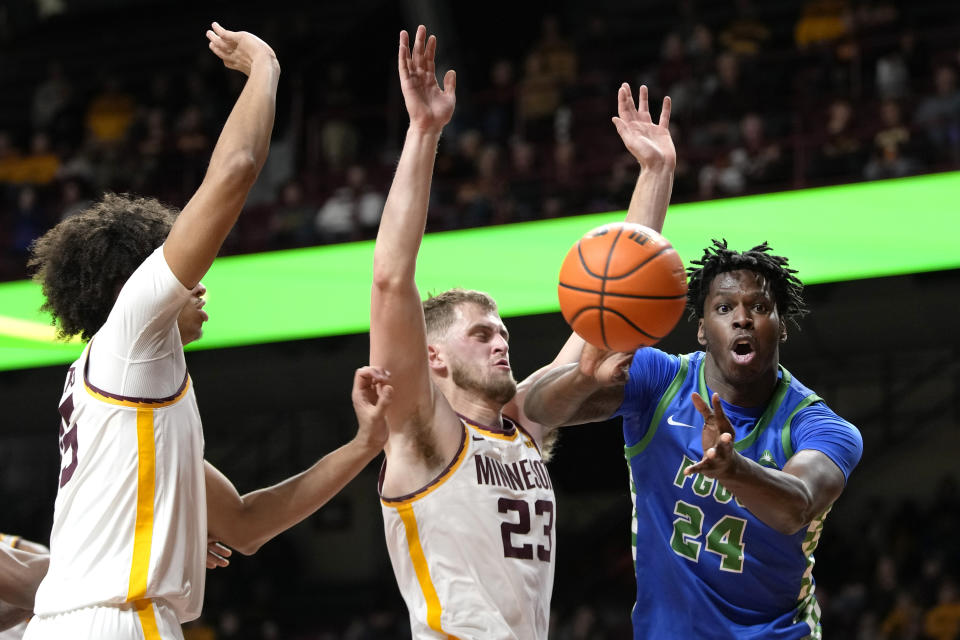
x=786, y=287
x=83, y=262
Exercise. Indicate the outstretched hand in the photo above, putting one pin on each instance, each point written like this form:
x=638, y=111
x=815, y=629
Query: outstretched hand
x=237, y=49
x=371, y=396
x=607, y=368
x=429, y=106
x=651, y=144
x=719, y=456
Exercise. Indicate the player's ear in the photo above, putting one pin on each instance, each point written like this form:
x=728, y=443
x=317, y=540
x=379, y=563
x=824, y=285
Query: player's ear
x=783, y=331
x=701, y=336
x=435, y=359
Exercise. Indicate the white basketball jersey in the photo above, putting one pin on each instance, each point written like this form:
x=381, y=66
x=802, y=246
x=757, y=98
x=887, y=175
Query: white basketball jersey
x=129, y=520
x=474, y=550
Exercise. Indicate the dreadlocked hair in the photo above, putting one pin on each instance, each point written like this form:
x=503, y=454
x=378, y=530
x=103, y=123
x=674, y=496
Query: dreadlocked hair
x=786, y=287
x=82, y=263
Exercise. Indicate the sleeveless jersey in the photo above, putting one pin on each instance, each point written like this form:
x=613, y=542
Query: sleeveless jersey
x=129, y=520
x=706, y=567
x=474, y=550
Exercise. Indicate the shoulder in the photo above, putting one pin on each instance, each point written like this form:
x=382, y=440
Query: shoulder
x=153, y=284
x=818, y=427
x=818, y=416
x=652, y=371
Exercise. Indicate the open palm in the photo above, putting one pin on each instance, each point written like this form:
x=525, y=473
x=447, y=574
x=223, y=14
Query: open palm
x=650, y=143
x=428, y=106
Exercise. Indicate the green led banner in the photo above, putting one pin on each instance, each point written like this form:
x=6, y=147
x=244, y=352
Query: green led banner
x=830, y=234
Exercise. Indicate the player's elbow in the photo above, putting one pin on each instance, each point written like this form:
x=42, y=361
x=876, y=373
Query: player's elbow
x=241, y=540
x=237, y=171
x=789, y=526
x=249, y=547
x=796, y=518
x=387, y=278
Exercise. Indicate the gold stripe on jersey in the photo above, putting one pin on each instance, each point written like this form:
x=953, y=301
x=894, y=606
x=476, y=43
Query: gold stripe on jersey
x=436, y=482
x=11, y=541
x=434, y=610
x=139, y=404
x=148, y=621
x=146, y=486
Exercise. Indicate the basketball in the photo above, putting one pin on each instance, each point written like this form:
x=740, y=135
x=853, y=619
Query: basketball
x=622, y=287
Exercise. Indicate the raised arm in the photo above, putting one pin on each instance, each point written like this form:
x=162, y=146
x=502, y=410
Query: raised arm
x=571, y=394
x=397, y=332
x=247, y=522
x=652, y=146
x=236, y=161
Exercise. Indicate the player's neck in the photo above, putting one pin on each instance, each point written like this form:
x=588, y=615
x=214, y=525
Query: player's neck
x=475, y=407
x=755, y=392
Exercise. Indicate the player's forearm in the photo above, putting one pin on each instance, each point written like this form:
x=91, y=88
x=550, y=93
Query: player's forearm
x=405, y=211
x=651, y=196
x=206, y=220
x=270, y=511
x=246, y=133
x=781, y=500
x=559, y=396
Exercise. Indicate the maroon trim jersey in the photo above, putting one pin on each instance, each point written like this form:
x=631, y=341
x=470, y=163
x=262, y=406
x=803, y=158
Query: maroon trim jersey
x=474, y=550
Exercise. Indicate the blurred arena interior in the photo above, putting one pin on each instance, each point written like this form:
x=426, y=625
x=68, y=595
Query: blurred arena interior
x=122, y=95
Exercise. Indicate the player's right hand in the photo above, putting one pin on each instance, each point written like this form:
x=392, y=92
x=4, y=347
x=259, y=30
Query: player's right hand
x=238, y=49
x=607, y=368
x=371, y=395
x=651, y=144
x=429, y=106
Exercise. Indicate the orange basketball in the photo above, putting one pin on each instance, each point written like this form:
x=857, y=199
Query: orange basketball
x=622, y=286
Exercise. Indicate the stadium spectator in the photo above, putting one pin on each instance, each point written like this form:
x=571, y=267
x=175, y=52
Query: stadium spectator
x=938, y=115
x=353, y=211
x=842, y=151
x=894, y=153
x=110, y=113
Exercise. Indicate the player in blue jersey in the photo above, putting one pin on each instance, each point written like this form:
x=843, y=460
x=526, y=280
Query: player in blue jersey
x=734, y=464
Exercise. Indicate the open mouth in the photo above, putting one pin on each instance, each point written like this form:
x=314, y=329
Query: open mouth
x=743, y=353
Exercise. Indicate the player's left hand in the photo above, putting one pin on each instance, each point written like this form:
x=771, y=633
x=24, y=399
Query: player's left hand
x=371, y=395
x=429, y=106
x=651, y=144
x=719, y=456
x=218, y=554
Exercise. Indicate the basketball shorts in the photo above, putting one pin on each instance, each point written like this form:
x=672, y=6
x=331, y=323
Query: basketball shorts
x=141, y=620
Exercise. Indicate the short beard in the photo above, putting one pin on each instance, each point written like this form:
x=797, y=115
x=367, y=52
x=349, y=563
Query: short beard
x=500, y=390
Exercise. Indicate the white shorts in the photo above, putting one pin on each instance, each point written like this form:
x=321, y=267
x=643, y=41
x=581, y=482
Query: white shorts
x=142, y=620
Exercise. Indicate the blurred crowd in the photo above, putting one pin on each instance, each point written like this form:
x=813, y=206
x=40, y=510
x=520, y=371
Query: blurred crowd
x=766, y=96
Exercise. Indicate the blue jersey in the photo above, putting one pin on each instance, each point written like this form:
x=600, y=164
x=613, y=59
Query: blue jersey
x=706, y=567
